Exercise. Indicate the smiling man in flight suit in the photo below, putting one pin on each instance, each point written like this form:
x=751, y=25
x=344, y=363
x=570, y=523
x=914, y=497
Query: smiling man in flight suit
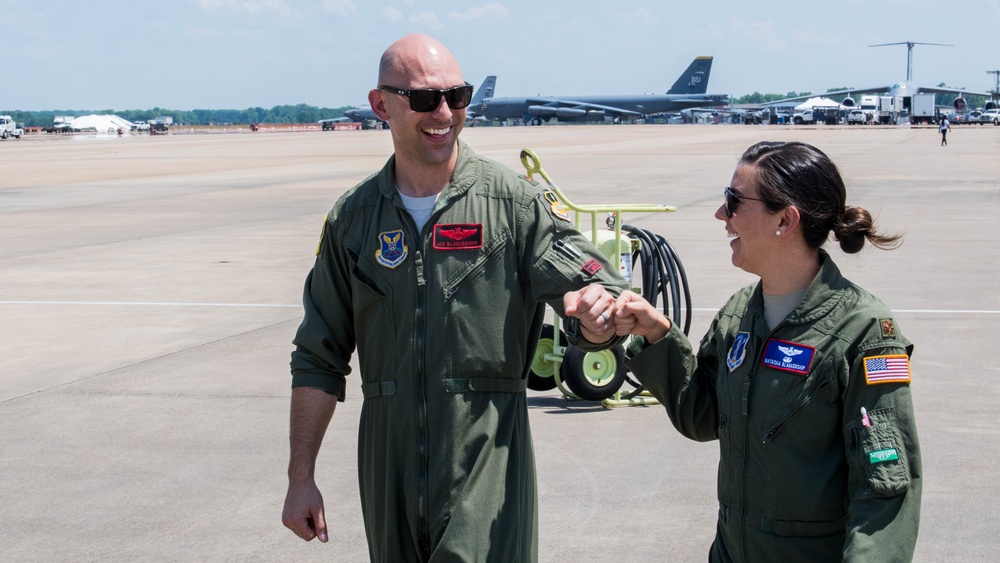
x=437, y=269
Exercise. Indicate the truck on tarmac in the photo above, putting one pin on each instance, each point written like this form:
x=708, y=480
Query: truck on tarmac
x=922, y=109
x=869, y=105
x=803, y=117
x=8, y=128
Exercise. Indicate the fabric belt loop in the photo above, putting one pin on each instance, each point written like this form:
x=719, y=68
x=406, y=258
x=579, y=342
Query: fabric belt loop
x=378, y=389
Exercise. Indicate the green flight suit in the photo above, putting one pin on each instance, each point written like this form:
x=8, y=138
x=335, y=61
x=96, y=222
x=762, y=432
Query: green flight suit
x=445, y=322
x=801, y=477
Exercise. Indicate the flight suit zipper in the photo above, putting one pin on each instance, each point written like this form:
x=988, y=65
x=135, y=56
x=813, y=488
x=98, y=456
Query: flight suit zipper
x=420, y=338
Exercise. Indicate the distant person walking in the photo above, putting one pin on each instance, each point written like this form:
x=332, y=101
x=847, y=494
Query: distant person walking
x=945, y=125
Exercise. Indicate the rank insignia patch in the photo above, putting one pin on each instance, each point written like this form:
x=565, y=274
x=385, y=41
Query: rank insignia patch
x=738, y=352
x=558, y=207
x=393, y=251
x=888, y=328
x=788, y=356
x=592, y=267
x=893, y=368
x=457, y=237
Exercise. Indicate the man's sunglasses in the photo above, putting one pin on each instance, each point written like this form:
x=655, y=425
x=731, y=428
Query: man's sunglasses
x=429, y=99
x=733, y=201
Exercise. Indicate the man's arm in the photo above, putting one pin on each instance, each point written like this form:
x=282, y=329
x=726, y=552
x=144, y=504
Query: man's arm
x=311, y=412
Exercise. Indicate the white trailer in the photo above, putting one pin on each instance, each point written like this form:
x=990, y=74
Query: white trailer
x=887, y=110
x=922, y=108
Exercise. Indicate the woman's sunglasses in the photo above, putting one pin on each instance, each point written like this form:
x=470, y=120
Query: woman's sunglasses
x=733, y=201
x=429, y=99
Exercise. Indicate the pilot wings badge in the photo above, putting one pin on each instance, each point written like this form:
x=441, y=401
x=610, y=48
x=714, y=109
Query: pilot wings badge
x=393, y=251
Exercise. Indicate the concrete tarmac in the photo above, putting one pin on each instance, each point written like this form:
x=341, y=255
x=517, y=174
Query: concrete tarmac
x=150, y=288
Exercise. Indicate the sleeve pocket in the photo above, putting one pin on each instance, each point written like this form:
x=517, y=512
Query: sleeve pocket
x=879, y=455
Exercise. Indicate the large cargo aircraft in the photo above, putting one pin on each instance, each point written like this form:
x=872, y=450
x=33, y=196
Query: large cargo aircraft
x=904, y=90
x=687, y=92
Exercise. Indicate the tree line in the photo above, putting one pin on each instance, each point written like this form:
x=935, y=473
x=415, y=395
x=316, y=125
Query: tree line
x=300, y=113
x=303, y=113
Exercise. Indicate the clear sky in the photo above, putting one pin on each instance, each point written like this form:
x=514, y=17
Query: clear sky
x=235, y=54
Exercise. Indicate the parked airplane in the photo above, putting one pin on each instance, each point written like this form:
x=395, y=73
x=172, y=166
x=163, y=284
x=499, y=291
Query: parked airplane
x=688, y=91
x=903, y=90
x=365, y=113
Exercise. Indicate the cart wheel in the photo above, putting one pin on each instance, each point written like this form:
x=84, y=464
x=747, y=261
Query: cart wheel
x=541, y=377
x=593, y=376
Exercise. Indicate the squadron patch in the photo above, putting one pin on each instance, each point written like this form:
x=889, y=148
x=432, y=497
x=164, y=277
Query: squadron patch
x=788, y=356
x=892, y=368
x=738, y=351
x=457, y=237
x=558, y=208
x=393, y=251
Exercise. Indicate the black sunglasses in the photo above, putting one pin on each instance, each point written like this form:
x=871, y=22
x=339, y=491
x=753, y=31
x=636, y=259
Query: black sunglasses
x=429, y=99
x=733, y=200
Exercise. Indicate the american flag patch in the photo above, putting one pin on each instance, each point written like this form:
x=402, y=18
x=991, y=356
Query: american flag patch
x=893, y=368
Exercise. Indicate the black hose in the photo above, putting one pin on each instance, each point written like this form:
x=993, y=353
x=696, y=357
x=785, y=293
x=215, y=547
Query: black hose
x=663, y=278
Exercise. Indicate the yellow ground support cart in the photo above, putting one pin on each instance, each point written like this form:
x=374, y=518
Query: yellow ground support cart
x=600, y=376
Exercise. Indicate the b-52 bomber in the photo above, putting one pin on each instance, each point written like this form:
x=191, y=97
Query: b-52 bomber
x=687, y=92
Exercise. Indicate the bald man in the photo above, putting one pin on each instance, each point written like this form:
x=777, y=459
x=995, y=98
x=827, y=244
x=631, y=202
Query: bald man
x=437, y=270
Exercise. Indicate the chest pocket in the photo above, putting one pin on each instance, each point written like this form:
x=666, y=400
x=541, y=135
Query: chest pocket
x=489, y=255
x=810, y=397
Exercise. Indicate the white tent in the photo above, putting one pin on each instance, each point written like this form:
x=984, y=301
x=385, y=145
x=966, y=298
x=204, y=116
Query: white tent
x=818, y=103
x=100, y=123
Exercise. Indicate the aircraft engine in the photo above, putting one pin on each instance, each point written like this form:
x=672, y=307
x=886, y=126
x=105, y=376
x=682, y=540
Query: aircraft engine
x=959, y=103
x=849, y=102
x=570, y=112
x=542, y=110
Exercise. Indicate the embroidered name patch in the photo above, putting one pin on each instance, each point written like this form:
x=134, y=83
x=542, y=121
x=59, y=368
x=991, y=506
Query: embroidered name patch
x=893, y=368
x=788, y=356
x=457, y=237
x=738, y=352
x=393, y=251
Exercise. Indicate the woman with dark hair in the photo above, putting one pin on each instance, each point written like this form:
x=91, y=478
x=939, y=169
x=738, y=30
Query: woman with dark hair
x=803, y=377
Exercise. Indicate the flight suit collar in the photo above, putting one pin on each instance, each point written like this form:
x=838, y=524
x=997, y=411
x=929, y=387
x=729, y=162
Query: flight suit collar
x=822, y=295
x=467, y=171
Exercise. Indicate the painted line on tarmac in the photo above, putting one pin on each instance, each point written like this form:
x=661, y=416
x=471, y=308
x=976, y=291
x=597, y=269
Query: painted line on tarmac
x=284, y=305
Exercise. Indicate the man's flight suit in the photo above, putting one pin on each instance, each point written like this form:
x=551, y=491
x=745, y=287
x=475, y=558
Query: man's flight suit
x=445, y=322
x=803, y=476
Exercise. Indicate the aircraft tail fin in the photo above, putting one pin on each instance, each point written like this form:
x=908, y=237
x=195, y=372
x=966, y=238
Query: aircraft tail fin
x=484, y=91
x=694, y=80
